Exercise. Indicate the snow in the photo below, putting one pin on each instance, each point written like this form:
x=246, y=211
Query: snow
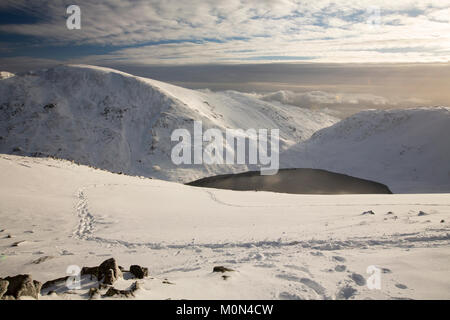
x=406, y=149
x=118, y=122
x=281, y=246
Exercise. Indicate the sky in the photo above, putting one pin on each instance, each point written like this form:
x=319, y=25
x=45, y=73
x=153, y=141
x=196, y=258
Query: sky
x=173, y=32
x=257, y=45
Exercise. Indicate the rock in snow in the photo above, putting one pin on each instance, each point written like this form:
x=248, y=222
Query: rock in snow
x=106, y=274
x=3, y=287
x=222, y=269
x=139, y=272
x=109, y=271
x=22, y=285
x=359, y=279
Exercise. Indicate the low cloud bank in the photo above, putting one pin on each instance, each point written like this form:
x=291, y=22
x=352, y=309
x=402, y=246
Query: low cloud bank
x=338, y=104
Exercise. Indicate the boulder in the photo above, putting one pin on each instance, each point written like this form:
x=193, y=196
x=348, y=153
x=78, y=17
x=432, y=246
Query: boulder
x=108, y=271
x=92, y=271
x=51, y=283
x=139, y=272
x=23, y=285
x=221, y=269
x=3, y=287
x=107, y=265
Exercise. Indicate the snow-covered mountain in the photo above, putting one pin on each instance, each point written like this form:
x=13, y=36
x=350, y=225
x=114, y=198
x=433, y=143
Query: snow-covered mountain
x=406, y=149
x=122, y=123
x=118, y=122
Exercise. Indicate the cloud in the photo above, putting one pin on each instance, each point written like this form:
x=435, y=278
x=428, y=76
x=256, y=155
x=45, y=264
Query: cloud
x=232, y=31
x=321, y=98
x=338, y=104
x=23, y=64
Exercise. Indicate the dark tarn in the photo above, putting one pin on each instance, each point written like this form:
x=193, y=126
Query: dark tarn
x=297, y=181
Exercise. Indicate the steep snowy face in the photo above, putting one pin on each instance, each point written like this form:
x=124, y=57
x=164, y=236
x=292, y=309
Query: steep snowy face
x=119, y=122
x=408, y=149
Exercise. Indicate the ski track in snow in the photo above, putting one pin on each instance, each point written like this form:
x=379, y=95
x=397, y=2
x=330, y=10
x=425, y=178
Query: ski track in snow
x=86, y=228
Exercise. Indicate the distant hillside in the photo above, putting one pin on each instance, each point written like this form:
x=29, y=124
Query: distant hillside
x=406, y=149
x=122, y=123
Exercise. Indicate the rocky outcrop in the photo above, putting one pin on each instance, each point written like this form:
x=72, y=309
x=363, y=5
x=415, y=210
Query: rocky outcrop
x=92, y=271
x=105, y=274
x=108, y=271
x=22, y=285
x=109, y=277
x=51, y=283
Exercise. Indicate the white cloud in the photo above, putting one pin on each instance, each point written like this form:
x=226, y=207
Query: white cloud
x=322, y=30
x=339, y=104
x=321, y=98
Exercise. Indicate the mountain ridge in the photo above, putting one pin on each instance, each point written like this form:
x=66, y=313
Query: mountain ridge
x=122, y=123
x=406, y=149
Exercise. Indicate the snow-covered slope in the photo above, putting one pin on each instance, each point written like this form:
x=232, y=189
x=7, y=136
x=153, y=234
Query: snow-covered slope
x=281, y=246
x=122, y=123
x=406, y=149
x=119, y=122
